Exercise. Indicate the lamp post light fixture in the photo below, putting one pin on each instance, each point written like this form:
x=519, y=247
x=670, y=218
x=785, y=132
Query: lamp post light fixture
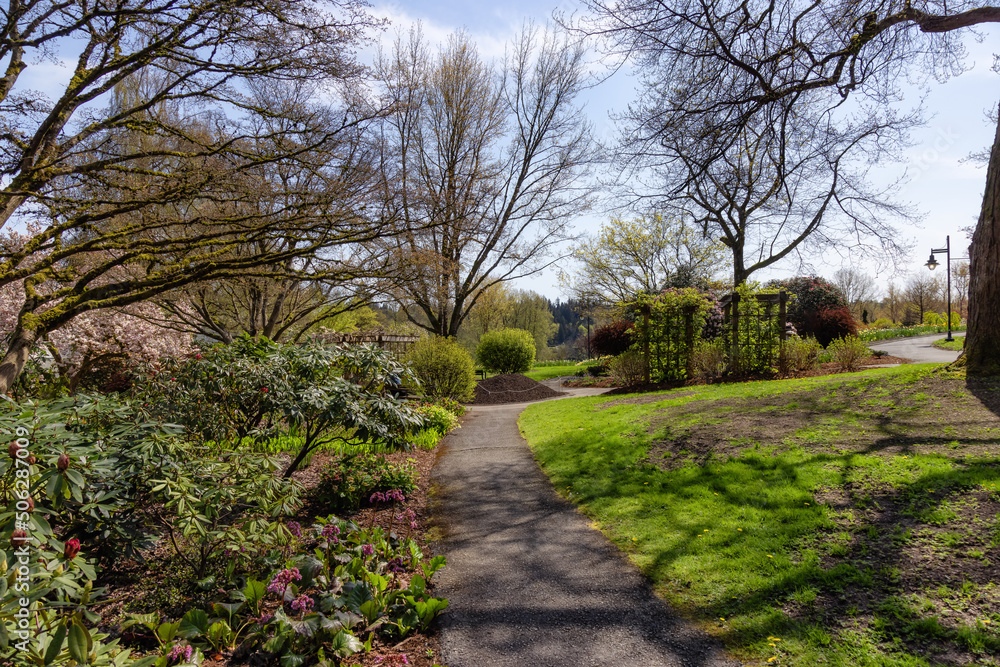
x=932, y=264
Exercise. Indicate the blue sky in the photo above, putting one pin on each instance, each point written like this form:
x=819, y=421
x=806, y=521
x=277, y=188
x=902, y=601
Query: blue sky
x=941, y=183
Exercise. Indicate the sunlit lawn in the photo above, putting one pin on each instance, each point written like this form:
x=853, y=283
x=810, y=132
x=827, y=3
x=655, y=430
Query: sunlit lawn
x=849, y=519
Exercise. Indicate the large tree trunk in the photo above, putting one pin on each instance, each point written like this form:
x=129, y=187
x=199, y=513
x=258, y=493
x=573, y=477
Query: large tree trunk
x=18, y=349
x=982, y=342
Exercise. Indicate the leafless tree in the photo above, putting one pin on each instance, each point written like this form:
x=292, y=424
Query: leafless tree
x=858, y=288
x=743, y=57
x=482, y=165
x=924, y=292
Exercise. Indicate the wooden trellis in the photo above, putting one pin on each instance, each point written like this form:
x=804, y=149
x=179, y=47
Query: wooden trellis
x=754, y=333
x=396, y=344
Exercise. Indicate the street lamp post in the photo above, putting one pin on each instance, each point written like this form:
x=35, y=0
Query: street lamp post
x=932, y=264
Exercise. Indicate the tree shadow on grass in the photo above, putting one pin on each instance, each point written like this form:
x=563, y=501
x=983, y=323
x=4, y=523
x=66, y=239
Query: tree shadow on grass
x=882, y=540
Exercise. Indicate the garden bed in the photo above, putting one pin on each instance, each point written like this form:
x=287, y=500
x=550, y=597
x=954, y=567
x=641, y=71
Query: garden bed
x=158, y=584
x=828, y=368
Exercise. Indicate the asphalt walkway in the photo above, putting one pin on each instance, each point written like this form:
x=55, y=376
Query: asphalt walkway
x=530, y=583
x=918, y=349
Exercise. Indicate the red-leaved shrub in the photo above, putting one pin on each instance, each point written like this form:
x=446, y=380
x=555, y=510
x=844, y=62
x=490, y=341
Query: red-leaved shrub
x=829, y=324
x=612, y=339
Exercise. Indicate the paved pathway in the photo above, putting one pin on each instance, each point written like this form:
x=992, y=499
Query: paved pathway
x=530, y=583
x=918, y=349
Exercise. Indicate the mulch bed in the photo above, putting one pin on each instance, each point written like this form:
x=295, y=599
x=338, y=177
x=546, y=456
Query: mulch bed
x=512, y=388
x=829, y=368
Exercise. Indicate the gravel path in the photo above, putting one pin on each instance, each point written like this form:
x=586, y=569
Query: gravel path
x=530, y=583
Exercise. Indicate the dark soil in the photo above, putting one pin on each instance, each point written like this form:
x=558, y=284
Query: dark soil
x=829, y=368
x=512, y=388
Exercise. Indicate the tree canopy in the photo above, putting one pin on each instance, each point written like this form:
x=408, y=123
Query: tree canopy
x=184, y=129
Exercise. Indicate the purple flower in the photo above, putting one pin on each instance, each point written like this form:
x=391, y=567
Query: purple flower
x=281, y=580
x=377, y=498
x=396, y=565
x=294, y=528
x=395, y=494
x=330, y=530
x=303, y=603
x=179, y=654
x=408, y=515
x=368, y=549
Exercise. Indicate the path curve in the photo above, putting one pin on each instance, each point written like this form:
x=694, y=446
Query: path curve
x=918, y=349
x=530, y=583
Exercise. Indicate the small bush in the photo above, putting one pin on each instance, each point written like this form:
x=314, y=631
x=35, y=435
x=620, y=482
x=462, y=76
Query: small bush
x=612, y=339
x=437, y=417
x=883, y=323
x=629, y=368
x=709, y=360
x=828, y=324
x=444, y=369
x=801, y=354
x=850, y=352
x=933, y=318
x=506, y=351
x=348, y=482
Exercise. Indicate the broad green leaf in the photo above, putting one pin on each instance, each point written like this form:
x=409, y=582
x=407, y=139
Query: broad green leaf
x=55, y=645
x=78, y=643
x=193, y=624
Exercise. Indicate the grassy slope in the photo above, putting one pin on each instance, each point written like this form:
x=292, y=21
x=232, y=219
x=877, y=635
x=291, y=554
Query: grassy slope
x=827, y=539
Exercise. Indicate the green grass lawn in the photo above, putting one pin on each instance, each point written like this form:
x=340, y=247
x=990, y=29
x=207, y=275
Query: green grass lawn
x=956, y=345
x=841, y=520
x=539, y=373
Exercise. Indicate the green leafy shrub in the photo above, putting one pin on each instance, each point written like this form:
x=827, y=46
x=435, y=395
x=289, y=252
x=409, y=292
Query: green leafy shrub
x=800, y=354
x=828, y=324
x=444, y=369
x=51, y=456
x=931, y=317
x=882, y=323
x=224, y=505
x=100, y=494
x=613, y=339
x=629, y=368
x=257, y=388
x=849, y=352
x=436, y=417
x=450, y=404
x=506, y=351
x=349, y=481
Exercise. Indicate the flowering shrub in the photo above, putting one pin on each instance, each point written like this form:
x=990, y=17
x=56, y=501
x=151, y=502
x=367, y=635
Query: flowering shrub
x=352, y=479
x=809, y=296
